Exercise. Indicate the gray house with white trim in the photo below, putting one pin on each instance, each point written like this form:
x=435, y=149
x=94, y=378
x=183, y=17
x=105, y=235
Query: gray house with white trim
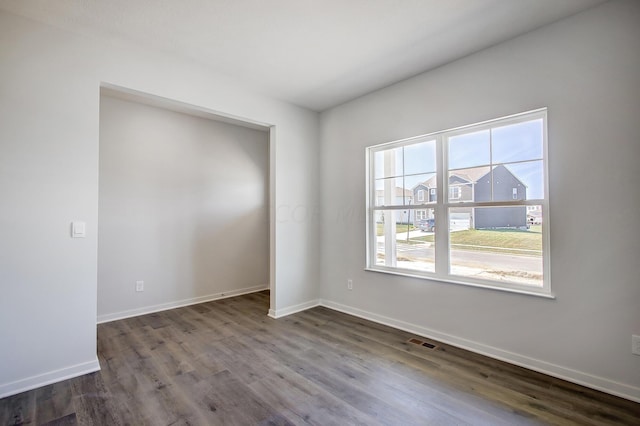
x=475, y=185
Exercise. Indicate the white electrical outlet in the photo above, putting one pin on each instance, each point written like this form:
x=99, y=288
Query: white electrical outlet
x=349, y=284
x=139, y=285
x=635, y=344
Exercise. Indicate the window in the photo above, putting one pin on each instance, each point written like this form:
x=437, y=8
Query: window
x=454, y=192
x=489, y=231
x=421, y=215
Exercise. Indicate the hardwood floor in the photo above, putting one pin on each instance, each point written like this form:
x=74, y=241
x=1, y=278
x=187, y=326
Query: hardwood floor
x=227, y=363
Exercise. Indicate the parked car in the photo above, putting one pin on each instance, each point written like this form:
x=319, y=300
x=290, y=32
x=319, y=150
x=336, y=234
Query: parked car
x=534, y=218
x=427, y=225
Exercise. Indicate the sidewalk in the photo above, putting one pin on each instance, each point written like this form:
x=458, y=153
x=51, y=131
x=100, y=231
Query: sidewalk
x=403, y=235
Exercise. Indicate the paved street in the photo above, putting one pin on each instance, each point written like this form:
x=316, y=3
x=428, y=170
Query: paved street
x=472, y=262
x=479, y=259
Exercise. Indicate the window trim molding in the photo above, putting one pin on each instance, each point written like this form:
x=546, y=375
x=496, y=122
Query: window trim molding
x=441, y=207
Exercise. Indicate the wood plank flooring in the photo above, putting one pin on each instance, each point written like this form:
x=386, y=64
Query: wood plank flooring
x=227, y=363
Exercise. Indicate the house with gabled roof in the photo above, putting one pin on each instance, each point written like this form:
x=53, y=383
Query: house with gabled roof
x=475, y=184
x=400, y=196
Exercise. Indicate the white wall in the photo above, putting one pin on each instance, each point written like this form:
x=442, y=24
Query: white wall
x=586, y=70
x=183, y=205
x=49, y=103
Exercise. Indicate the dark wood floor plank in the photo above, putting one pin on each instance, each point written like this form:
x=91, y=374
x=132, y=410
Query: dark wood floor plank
x=225, y=400
x=124, y=387
x=472, y=382
x=166, y=352
x=241, y=360
x=93, y=402
x=304, y=401
x=350, y=392
x=402, y=391
x=227, y=362
x=535, y=390
x=68, y=420
x=54, y=402
x=396, y=396
x=344, y=352
x=18, y=409
x=466, y=385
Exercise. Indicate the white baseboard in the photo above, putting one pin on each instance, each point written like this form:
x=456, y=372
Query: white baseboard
x=279, y=313
x=598, y=383
x=33, y=382
x=178, y=304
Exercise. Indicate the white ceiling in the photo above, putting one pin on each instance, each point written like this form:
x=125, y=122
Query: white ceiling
x=313, y=53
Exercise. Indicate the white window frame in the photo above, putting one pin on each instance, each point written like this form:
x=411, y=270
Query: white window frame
x=442, y=205
x=420, y=194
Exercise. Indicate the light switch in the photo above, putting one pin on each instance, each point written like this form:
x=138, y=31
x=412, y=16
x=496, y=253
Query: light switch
x=78, y=230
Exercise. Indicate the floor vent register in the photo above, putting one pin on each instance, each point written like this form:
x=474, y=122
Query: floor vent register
x=422, y=343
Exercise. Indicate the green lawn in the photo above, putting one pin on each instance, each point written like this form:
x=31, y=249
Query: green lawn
x=400, y=228
x=511, y=241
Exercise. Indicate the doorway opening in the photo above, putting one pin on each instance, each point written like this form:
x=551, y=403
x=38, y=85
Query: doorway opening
x=184, y=205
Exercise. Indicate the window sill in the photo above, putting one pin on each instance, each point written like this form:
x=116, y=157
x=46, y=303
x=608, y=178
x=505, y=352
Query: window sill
x=408, y=274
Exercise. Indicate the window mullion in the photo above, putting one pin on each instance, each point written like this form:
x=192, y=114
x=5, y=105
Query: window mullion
x=371, y=202
x=442, y=215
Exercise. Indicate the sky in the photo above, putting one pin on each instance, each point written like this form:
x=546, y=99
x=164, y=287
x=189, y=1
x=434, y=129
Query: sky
x=518, y=146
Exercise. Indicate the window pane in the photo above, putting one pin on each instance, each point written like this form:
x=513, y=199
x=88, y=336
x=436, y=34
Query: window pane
x=390, y=192
x=472, y=184
x=460, y=218
x=531, y=175
x=517, y=142
x=506, y=185
x=378, y=164
x=405, y=239
x=469, y=150
x=388, y=163
x=420, y=158
x=421, y=187
x=502, y=244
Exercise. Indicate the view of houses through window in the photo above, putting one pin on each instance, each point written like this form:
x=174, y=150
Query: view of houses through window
x=488, y=230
